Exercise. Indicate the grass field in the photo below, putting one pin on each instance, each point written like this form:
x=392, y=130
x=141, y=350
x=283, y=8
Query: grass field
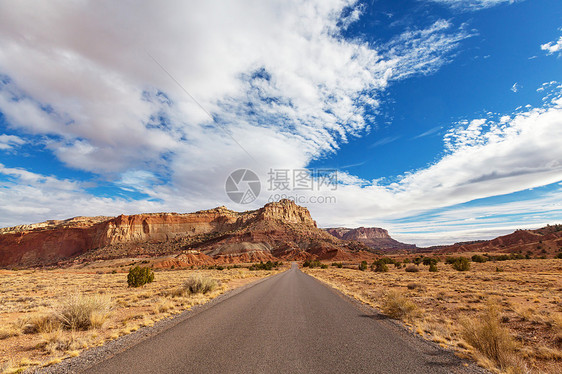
x=506, y=315
x=33, y=301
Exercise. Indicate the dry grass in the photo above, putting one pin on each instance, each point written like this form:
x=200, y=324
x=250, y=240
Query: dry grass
x=527, y=292
x=489, y=337
x=49, y=315
x=83, y=312
x=199, y=284
x=398, y=306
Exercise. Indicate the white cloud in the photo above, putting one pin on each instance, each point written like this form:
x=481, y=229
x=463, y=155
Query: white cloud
x=278, y=78
x=485, y=157
x=280, y=69
x=515, y=88
x=25, y=195
x=552, y=47
x=10, y=141
x=472, y=4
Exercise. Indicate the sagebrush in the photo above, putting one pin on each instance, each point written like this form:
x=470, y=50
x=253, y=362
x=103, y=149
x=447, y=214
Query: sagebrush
x=199, y=284
x=83, y=312
x=139, y=276
x=489, y=337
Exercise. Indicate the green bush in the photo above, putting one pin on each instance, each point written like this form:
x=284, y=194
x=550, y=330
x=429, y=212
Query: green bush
x=559, y=255
x=139, y=276
x=461, y=264
x=363, y=266
x=433, y=268
x=386, y=260
x=450, y=260
x=269, y=265
x=324, y=266
x=337, y=264
x=199, y=284
x=479, y=258
x=428, y=261
x=380, y=266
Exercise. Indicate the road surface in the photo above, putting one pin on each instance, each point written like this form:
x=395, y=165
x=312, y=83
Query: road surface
x=289, y=323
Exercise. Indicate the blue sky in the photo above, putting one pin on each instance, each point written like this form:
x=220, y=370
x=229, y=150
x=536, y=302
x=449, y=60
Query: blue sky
x=441, y=117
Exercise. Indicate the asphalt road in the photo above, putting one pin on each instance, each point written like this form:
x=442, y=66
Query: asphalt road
x=289, y=323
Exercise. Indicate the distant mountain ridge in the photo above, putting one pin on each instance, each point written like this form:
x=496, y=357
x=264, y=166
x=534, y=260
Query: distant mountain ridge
x=545, y=241
x=373, y=237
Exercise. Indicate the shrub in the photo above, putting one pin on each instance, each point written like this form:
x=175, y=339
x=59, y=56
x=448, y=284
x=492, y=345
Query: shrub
x=82, y=312
x=379, y=266
x=486, y=334
x=413, y=286
x=199, y=284
x=42, y=324
x=386, y=260
x=559, y=255
x=363, y=266
x=139, y=276
x=412, y=269
x=397, y=306
x=269, y=265
x=478, y=258
x=461, y=264
x=315, y=264
x=428, y=261
x=417, y=260
x=433, y=268
x=324, y=266
x=337, y=264
x=450, y=260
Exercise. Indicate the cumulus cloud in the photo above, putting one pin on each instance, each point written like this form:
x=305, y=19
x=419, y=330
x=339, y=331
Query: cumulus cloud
x=280, y=83
x=552, y=47
x=278, y=79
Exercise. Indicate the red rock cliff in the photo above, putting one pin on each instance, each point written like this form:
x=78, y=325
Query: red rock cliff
x=50, y=241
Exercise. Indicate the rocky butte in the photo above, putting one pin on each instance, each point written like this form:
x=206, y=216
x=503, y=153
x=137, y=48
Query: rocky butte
x=373, y=237
x=280, y=230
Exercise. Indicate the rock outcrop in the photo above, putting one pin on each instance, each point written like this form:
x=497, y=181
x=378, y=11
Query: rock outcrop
x=280, y=230
x=372, y=237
